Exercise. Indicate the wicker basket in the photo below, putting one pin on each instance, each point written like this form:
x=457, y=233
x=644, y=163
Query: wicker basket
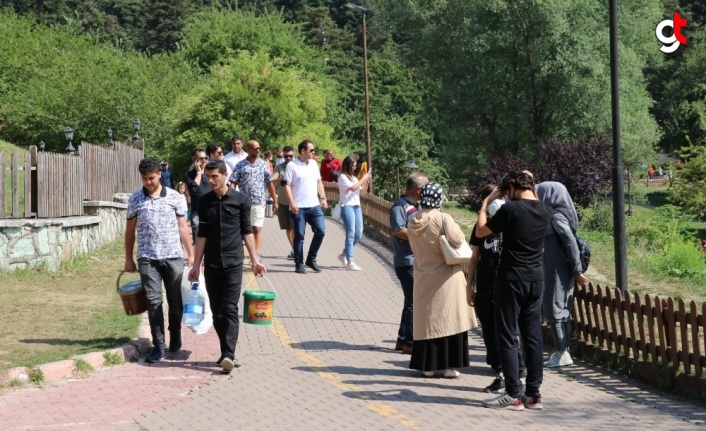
x=133, y=296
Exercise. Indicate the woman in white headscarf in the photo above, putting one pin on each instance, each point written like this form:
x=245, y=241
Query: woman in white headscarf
x=441, y=316
x=562, y=268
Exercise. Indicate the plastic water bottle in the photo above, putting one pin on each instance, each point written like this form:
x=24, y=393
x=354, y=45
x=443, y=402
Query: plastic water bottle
x=194, y=306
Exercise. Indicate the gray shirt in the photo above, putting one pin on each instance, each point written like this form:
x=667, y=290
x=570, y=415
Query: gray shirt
x=401, y=213
x=157, y=223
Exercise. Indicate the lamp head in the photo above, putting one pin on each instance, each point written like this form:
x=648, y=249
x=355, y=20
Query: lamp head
x=110, y=133
x=412, y=165
x=68, y=133
x=42, y=145
x=136, y=124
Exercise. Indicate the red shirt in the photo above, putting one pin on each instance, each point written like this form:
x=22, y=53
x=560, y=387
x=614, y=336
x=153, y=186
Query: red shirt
x=327, y=168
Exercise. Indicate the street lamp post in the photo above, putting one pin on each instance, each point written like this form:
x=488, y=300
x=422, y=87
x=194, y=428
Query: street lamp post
x=363, y=10
x=409, y=165
x=619, y=239
x=69, y=135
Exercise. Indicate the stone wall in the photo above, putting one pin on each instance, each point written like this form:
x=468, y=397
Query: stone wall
x=33, y=242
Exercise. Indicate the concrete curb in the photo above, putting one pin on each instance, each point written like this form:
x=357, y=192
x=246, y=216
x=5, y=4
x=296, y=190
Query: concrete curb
x=66, y=368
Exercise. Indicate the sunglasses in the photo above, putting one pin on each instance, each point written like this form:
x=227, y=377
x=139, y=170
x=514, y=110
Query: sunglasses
x=289, y=156
x=312, y=150
x=202, y=158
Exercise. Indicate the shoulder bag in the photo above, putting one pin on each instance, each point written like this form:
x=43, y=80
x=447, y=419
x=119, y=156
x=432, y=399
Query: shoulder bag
x=452, y=255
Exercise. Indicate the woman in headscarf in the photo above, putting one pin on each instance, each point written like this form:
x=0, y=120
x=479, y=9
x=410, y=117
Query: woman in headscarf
x=562, y=268
x=441, y=316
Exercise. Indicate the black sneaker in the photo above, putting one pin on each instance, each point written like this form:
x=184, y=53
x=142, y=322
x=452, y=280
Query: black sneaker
x=175, y=342
x=157, y=353
x=300, y=269
x=312, y=264
x=497, y=387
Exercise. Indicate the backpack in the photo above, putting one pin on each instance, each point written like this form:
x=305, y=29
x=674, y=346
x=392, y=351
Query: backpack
x=584, y=252
x=335, y=174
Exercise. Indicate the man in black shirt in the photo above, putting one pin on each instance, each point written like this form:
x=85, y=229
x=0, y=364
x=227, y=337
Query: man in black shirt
x=518, y=293
x=224, y=223
x=197, y=184
x=482, y=275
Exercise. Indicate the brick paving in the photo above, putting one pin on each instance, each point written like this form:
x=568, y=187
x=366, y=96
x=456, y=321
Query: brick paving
x=326, y=363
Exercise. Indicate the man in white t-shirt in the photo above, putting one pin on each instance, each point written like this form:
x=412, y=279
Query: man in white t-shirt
x=302, y=183
x=235, y=156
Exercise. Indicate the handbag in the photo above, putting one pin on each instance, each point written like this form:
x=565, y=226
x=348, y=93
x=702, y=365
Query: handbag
x=336, y=212
x=453, y=255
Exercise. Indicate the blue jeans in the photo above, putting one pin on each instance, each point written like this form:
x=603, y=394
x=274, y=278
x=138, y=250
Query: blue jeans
x=353, y=221
x=315, y=217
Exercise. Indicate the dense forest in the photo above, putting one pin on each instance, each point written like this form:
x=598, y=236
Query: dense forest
x=455, y=85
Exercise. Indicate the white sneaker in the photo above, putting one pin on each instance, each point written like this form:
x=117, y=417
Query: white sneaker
x=553, y=360
x=344, y=260
x=451, y=374
x=428, y=373
x=566, y=359
x=559, y=360
x=353, y=267
x=227, y=365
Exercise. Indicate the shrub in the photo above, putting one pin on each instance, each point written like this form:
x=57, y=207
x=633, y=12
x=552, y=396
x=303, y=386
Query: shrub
x=689, y=187
x=582, y=165
x=598, y=217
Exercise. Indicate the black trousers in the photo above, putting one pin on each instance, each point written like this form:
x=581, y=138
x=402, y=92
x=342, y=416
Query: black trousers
x=153, y=273
x=406, y=276
x=223, y=286
x=485, y=309
x=518, y=306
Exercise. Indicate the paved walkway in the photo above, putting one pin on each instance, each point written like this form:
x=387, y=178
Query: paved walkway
x=327, y=363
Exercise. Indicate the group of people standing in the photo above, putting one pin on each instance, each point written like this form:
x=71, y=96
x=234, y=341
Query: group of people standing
x=525, y=265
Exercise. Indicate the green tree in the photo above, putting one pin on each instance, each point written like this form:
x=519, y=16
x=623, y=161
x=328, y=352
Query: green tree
x=689, y=187
x=255, y=97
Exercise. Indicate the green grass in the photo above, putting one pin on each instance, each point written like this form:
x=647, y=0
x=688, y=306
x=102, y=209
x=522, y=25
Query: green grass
x=51, y=316
x=82, y=367
x=461, y=215
x=110, y=358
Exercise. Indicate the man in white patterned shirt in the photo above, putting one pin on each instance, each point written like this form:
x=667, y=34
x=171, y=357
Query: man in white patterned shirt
x=157, y=214
x=252, y=176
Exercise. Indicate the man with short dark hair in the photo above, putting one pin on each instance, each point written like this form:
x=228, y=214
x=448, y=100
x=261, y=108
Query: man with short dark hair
x=401, y=213
x=234, y=157
x=157, y=213
x=252, y=175
x=285, y=220
x=330, y=167
x=279, y=156
x=215, y=152
x=198, y=186
x=224, y=224
x=302, y=182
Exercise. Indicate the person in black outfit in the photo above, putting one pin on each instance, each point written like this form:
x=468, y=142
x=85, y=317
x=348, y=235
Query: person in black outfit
x=224, y=223
x=482, y=275
x=518, y=293
x=198, y=186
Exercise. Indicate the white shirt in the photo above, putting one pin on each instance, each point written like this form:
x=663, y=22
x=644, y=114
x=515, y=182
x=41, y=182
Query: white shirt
x=303, y=179
x=232, y=159
x=348, y=197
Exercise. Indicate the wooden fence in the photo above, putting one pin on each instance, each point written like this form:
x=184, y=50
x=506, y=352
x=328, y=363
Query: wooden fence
x=651, y=330
x=46, y=185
